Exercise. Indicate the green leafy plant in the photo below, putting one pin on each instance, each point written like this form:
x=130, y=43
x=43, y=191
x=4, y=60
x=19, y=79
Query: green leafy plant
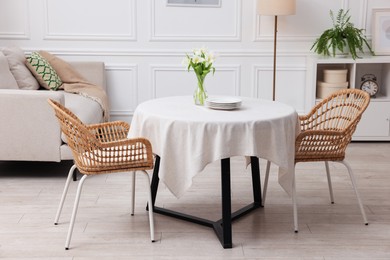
x=343, y=37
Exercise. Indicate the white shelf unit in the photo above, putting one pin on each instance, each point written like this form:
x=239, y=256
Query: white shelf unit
x=375, y=123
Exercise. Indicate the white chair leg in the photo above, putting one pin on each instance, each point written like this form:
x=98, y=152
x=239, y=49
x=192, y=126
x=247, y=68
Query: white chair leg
x=64, y=193
x=133, y=193
x=329, y=182
x=266, y=181
x=76, y=205
x=351, y=175
x=150, y=208
x=294, y=201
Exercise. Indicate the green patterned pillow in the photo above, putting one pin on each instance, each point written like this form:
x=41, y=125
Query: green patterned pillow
x=43, y=71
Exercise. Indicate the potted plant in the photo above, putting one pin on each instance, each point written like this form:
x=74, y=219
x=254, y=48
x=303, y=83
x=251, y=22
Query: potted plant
x=344, y=37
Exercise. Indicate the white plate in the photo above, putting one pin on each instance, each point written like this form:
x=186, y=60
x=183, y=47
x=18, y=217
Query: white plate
x=222, y=108
x=223, y=103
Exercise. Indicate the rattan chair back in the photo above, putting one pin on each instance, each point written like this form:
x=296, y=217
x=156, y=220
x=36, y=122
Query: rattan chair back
x=327, y=130
x=102, y=149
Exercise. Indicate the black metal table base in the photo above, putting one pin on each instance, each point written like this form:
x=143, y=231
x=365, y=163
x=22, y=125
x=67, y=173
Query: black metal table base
x=223, y=226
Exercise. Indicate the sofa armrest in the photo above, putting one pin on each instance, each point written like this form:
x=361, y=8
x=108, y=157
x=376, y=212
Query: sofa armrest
x=29, y=130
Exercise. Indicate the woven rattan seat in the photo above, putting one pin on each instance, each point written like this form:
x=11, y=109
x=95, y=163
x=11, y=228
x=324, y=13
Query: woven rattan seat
x=325, y=134
x=101, y=149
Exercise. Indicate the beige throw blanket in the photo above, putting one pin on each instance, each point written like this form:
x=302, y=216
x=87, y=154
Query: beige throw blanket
x=73, y=82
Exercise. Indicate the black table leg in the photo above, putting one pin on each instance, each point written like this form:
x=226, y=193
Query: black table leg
x=155, y=179
x=256, y=181
x=226, y=236
x=222, y=227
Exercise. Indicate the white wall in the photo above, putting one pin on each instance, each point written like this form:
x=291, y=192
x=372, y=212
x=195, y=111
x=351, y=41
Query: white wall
x=143, y=43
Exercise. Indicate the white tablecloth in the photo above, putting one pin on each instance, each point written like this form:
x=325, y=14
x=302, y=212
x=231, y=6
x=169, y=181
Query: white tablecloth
x=188, y=137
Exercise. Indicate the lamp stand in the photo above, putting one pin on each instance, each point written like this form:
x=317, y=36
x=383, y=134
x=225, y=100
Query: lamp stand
x=274, y=72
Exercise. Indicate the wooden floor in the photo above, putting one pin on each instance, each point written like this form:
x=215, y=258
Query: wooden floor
x=30, y=192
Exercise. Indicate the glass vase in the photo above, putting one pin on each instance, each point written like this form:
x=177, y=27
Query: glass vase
x=200, y=93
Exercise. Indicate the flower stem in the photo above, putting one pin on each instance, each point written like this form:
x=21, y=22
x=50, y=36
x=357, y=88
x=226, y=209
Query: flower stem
x=200, y=94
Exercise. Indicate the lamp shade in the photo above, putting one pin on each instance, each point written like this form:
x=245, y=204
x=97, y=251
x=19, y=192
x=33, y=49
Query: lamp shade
x=276, y=7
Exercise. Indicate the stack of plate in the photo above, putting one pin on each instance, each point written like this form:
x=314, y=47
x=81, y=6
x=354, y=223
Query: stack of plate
x=223, y=103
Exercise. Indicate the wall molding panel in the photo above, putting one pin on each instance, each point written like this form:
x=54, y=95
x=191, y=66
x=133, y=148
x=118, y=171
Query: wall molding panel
x=14, y=35
x=232, y=17
x=235, y=71
x=15, y=19
x=122, y=81
x=262, y=84
x=97, y=25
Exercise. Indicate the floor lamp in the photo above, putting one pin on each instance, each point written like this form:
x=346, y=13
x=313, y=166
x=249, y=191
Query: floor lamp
x=275, y=7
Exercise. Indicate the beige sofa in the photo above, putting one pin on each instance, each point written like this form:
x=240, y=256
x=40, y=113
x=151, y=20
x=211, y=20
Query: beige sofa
x=29, y=130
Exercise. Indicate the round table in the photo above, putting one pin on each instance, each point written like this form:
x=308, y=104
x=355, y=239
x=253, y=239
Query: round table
x=187, y=137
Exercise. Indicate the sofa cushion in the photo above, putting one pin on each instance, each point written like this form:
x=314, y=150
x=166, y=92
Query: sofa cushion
x=16, y=60
x=7, y=79
x=74, y=82
x=86, y=109
x=43, y=71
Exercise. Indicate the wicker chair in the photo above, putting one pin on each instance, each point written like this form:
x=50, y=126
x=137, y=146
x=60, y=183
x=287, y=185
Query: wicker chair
x=325, y=134
x=101, y=149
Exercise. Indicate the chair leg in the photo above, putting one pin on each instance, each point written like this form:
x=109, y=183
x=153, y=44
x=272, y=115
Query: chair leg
x=133, y=193
x=294, y=195
x=351, y=175
x=150, y=202
x=76, y=205
x=64, y=193
x=266, y=181
x=329, y=182
x=295, y=208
